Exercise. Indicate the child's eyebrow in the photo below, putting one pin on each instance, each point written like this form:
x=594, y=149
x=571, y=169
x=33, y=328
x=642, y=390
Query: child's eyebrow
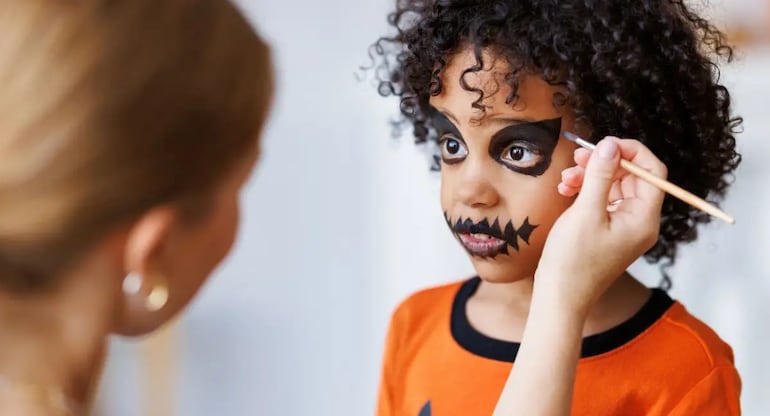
x=508, y=120
x=551, y=127
x=442, y=120
x=446, y=113
x=493, y=118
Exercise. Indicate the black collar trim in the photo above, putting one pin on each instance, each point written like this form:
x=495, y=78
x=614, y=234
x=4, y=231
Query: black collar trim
x=479, y=344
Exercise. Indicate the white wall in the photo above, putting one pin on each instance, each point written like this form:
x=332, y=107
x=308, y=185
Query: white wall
x=342, y=221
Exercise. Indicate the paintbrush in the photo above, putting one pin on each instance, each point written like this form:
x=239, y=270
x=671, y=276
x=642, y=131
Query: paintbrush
x=659, y=183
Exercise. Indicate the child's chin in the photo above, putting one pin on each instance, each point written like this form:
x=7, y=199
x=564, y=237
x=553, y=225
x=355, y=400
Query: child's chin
x=502, y=270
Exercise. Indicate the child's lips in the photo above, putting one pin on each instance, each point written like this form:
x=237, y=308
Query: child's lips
x=482, y=245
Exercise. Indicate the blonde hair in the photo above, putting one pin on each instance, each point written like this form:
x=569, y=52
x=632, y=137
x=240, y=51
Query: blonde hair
x=111, y=107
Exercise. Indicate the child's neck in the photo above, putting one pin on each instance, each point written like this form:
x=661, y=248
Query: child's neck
x=618, y=304
x=500, y=310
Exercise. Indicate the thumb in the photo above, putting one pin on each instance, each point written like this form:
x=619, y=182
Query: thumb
x=599, y=175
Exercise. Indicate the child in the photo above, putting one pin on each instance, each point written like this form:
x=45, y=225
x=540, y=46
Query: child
x=494, y=83
x=128, y=130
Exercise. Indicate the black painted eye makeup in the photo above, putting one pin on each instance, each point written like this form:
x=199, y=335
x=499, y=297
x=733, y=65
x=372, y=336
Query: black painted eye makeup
x=450, y=141
x=526, y=148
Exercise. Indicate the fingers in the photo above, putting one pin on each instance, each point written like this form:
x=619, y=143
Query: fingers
x=581, y=156
x=635, y=152
x=641, y=209
x=622, y=184
x=571, y=180
x=631, y=150
x=616, y=192
x=599, y=176
x=572, y=176
x=639, y=221
x=568, y=191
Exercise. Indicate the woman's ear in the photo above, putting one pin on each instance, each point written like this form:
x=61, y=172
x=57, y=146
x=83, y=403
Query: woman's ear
x=145, y=285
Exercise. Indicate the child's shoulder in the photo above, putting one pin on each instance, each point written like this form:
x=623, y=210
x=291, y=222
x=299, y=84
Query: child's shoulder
x=427, y=298
x=426, y=304
x=694, y=339
x=690, y=364
x=676, y=365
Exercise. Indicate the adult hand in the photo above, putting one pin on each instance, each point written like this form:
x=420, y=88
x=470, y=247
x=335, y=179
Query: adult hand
x=614, y=220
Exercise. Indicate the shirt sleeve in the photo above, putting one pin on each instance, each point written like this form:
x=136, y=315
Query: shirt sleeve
x=387, y=396
x=718, y=394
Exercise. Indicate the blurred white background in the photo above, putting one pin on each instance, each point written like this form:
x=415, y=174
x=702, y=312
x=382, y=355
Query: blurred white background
x=342, y=221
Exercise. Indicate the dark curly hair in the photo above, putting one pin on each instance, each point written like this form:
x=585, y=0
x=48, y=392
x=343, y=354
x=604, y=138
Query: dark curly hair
x=645, y=69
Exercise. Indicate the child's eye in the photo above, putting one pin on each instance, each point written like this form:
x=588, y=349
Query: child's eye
x=520, y=156
x=453, y=149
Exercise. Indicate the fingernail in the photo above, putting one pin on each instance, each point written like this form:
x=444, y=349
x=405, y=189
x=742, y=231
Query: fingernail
x=607, y=149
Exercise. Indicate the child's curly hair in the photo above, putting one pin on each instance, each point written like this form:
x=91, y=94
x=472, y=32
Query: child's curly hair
x=644, y=69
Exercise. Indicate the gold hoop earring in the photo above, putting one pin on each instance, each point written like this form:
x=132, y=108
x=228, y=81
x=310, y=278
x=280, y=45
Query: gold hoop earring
x=158, y=296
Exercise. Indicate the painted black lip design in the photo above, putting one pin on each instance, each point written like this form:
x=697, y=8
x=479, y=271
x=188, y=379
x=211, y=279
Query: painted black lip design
x=482, y=246
x=485, y=240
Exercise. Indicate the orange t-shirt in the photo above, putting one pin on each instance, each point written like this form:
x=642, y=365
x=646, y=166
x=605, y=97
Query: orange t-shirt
x=662, y=361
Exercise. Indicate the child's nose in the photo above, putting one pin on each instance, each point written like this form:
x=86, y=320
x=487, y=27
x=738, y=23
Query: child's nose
x=475, y=189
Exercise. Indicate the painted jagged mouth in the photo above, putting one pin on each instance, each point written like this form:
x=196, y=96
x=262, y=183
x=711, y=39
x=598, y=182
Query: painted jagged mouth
x=485, y=240
x=482, y=245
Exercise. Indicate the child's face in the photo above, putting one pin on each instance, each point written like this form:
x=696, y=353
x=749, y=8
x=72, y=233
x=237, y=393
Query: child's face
x=499, y=175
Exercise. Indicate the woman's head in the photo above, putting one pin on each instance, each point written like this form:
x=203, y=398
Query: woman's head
x=134, y=122
x=638, y=69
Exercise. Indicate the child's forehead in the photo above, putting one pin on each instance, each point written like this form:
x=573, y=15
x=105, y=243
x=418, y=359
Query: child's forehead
x=462, y=86
x=490, y=76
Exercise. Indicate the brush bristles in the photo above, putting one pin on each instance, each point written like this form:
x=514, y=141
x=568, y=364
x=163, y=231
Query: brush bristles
x=570, y=136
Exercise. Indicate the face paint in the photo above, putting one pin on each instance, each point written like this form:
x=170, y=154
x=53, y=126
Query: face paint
x=450, y=141
x=484, y=240
x=526, y=148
